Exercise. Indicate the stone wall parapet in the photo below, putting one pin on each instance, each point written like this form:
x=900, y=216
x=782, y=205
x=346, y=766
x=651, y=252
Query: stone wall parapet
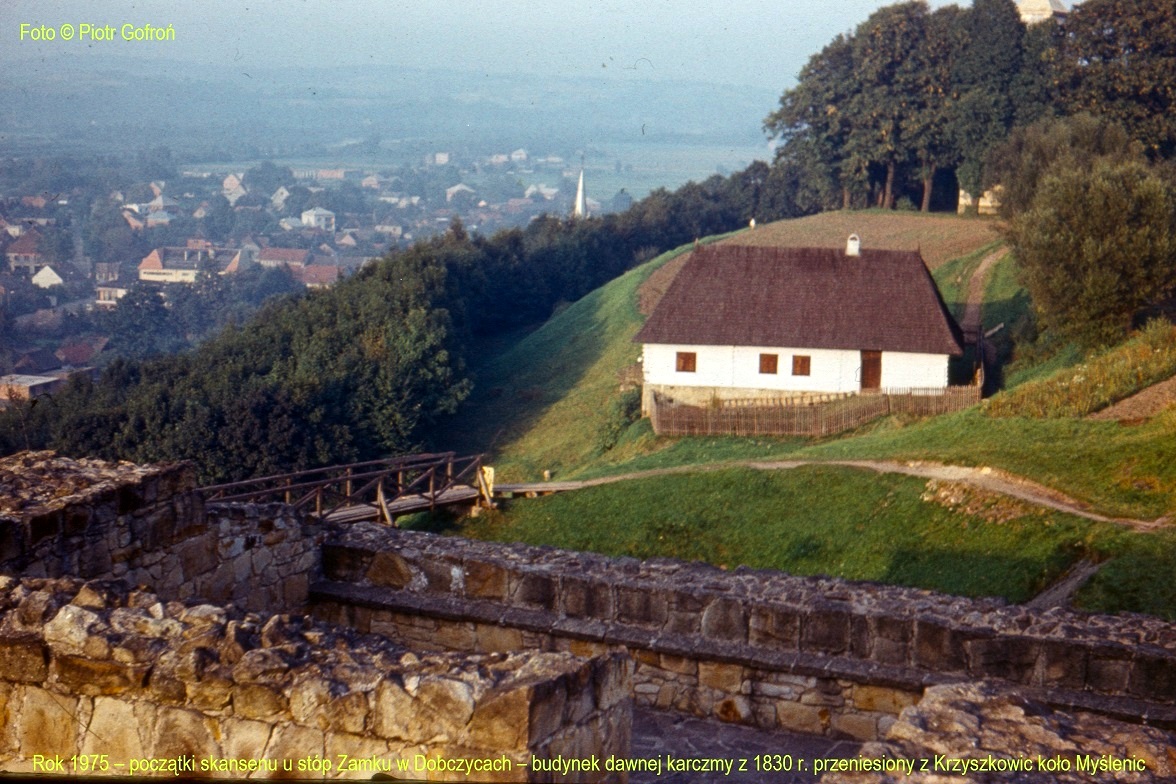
x=100, y=668
x=761, y=622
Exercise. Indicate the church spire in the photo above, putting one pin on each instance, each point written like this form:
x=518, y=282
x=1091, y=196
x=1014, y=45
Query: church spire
x=580, y=208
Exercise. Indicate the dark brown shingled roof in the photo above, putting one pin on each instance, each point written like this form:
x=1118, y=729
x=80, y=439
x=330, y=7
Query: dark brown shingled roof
x=732, y=295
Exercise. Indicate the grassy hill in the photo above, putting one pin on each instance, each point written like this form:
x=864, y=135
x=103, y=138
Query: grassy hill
x=554, y=401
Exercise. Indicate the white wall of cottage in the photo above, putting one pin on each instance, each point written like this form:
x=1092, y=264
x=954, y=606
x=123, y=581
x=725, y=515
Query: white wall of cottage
x=831, y=370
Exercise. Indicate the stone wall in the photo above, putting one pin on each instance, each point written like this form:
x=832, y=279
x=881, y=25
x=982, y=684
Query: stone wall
x=144, y=524
x=997, y=735
x=139, y=686
x=764, y=648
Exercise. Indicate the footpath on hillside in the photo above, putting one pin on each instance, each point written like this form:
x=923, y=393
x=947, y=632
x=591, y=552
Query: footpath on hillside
x=985, y=478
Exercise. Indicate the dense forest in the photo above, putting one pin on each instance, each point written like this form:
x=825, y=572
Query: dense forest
x=1073, y=120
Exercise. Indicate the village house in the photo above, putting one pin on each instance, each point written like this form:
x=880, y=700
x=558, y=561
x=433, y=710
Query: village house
x=47, y=278
x=283, y=257
x=183, y=265
x=24, y=254
x=318, y=218
x=743, y=322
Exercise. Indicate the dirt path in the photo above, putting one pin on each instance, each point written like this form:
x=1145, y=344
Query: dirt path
x=1142, y=405
x=972, y=319
x=990, y=479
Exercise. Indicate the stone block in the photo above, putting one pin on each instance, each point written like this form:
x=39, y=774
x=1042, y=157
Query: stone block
x=44, y=525
x=438, y=575
x=1060, y=664
x=546, y=711
x=389, y=570
x=640, y=606
x=534, y=589
x=685, y=623
x=774, y=627
x=114, y=731
x=245, y=739
x=1109, y=672
x=258, y=701
x=288, y=741
x=891, y=640
x=196, y=557
x=1153, y=676
x=727, y=678
x=209, y=693
x=498, y=639
x=23, y=658
x=184, y=733
x=880, y=699
x=736, y=710
x=678, y=664
x=808, y=719
x=347, y=564
x=825, y=629
x=938, y=647
x=91, y=677
x=725, y=620
x=858, y=726
x=1007, y=657
x=391, y=707
x=586, y=599
x=46, y=724
x=500, y=720
x=456, y=636
x=485, y=580
x=347, y=712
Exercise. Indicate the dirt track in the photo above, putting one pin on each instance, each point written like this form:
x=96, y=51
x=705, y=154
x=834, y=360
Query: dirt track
x=989, y=479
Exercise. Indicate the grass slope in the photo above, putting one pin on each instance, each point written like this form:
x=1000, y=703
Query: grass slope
x=814, y=520
x=543, y=403
x=939, y=238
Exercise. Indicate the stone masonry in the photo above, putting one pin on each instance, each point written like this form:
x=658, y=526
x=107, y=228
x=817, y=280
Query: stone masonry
x=812, y=655
x=143, y=524
x=96, y=668
x=92, y=662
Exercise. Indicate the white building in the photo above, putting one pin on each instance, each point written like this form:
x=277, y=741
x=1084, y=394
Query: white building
x=318, y=218
x=743, y=322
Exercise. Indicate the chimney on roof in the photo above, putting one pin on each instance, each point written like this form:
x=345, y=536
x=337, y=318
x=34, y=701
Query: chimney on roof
x=853, y=246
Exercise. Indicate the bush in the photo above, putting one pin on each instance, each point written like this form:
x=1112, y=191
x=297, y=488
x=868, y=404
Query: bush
x=623, y=410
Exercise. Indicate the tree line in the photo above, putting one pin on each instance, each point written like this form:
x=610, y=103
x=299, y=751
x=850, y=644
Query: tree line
x=363, y=369
x=913, y=94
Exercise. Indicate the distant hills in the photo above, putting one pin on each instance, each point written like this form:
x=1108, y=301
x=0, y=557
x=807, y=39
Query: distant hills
x=106, y=104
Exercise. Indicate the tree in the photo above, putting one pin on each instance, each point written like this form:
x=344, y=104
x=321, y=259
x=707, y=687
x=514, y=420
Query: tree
x=1117, y=59
x=141, y=326
x=266, y=177
x=1096, y=246
x=814, y=120
x=926, y=126
x=1048, y=145
x=988, y=60
x=885, y=60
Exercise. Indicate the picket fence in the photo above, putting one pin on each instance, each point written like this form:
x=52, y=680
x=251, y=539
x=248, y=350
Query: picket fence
x=814, y=416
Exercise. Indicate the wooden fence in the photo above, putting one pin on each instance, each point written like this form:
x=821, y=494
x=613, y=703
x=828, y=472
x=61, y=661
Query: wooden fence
x=426, y=480
x=813, y=417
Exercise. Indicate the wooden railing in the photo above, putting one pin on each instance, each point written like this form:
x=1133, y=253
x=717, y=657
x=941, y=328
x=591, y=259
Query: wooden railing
x=378, y=483
x=812, y=418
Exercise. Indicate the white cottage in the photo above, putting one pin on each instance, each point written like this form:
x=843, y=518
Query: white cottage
x=754, y=322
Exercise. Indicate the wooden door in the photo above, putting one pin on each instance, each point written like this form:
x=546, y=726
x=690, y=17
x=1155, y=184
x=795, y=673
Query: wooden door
x=871, y=370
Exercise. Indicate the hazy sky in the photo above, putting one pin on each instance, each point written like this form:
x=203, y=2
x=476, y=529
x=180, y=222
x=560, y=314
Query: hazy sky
x=760, y=43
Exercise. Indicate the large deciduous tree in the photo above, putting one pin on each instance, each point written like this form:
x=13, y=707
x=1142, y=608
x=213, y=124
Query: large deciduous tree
x=1118, y=58
x=814, y=120
x=988, y=60
x=884, y=55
